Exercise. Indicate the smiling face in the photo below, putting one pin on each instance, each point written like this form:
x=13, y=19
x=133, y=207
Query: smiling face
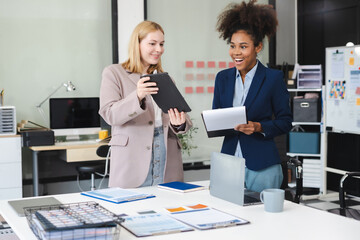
x=243, y=52
x=151, y=48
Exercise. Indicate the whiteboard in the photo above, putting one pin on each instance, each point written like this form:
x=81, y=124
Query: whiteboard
x=343, y=89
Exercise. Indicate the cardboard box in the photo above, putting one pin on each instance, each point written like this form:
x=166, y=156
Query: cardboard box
x=304, y=142
x=37, y=138
x=306, y=110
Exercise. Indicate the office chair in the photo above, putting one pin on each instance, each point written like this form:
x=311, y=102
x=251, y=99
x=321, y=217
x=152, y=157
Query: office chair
x=291, y=194
x=98, y=169
x=343, y=210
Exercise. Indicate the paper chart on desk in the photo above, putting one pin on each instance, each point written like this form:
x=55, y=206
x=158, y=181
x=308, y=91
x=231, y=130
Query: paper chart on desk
x=153, y=224
x=208, y=218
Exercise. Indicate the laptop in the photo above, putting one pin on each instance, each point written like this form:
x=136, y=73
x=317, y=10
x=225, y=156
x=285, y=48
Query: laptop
x=227, y=180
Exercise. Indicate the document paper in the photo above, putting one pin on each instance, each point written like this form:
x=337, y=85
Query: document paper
x=208, y=218
x=153, y=224
x=221, y=119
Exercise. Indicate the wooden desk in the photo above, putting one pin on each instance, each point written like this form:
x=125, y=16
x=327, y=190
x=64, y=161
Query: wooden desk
x=81, y=151
x=295, y=222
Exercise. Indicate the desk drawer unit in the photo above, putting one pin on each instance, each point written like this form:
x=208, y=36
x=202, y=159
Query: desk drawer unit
x=10, y=167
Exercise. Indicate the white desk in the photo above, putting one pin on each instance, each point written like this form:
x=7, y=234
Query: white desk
x=84, y=151
x=295, y=222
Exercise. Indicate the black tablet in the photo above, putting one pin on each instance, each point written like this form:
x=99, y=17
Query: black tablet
x=168, y=95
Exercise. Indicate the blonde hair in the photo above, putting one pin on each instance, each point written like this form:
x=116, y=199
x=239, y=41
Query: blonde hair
x=133, y=64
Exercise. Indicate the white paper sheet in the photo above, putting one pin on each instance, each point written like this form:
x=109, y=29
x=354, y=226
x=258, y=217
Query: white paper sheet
x=208, y=218
x=153, y=224
x=224, y=118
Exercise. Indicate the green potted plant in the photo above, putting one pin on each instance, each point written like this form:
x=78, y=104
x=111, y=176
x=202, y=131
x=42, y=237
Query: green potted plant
x=186, y=141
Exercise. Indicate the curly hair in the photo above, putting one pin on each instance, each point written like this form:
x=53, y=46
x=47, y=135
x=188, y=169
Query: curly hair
x=258, y=20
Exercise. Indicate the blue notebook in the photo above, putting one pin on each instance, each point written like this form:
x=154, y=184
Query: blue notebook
x=181, y=186
x=117, y=195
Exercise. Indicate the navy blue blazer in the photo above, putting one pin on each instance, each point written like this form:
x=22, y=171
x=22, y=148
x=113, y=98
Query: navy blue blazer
x=268, y=103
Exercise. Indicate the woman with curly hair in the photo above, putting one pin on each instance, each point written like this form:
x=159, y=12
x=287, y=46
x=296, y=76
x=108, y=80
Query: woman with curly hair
x=261, y=90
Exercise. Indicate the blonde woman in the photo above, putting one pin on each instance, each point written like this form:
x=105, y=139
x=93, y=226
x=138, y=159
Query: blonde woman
x=145, y=149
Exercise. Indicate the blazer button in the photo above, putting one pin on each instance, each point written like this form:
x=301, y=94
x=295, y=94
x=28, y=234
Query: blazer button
x=151, y=122
x=148, y=148
x=132, y=114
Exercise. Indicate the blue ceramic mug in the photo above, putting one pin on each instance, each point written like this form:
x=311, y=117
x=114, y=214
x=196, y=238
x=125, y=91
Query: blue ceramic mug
x=273, y=199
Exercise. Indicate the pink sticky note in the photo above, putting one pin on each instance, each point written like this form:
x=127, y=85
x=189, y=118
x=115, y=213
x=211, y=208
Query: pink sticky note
x=211, y=76
x=189, y=64
x=231, y=64
x=199, y=89
x=211, y=64
x=200, y=76
x=357, y=91
x=189, y=90
x=189, y=76
x=222, y=64
x=210, y=89
x=200, y=64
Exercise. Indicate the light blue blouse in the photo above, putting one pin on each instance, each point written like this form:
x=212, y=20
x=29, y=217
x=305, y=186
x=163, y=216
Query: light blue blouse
x=240, y=94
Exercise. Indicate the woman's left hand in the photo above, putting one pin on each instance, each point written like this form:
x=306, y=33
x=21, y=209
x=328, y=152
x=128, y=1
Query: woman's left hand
x=249, y=128
x=176, y=118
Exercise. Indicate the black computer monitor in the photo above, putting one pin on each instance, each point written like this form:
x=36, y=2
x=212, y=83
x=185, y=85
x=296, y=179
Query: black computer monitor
x=74, y=116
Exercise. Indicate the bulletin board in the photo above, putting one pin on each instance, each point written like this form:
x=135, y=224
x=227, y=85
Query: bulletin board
x=343, y=89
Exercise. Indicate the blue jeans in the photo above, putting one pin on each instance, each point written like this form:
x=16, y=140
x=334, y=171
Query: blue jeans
x=158, y=157
x=270, y=177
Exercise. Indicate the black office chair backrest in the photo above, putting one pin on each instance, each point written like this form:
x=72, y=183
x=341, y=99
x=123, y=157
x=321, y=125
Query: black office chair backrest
x=342, y=187
x=291, y=194
x=102, y=151
x=343, y=210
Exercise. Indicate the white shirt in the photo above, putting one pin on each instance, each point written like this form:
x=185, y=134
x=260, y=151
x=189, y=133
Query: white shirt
x=157, y=111
x=158, y=117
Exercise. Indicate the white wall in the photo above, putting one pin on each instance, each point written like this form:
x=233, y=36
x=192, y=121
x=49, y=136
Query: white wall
x=130, y=13
x=286, y=47
x=44, y=43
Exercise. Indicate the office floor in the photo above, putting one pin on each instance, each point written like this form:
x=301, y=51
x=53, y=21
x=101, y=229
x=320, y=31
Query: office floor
x=332, y=202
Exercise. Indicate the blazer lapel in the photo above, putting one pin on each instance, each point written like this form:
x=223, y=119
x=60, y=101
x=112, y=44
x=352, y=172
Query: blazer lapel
x=255, y=85
x=135, y=77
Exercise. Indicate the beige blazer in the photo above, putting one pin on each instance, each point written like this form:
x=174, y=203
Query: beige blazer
x=133, y=129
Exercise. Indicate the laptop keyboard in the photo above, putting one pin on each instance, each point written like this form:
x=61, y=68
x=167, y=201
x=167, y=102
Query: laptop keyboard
x=249, y=199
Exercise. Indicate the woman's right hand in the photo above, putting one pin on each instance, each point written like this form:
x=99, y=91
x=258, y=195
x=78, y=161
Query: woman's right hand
x=145, y=88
